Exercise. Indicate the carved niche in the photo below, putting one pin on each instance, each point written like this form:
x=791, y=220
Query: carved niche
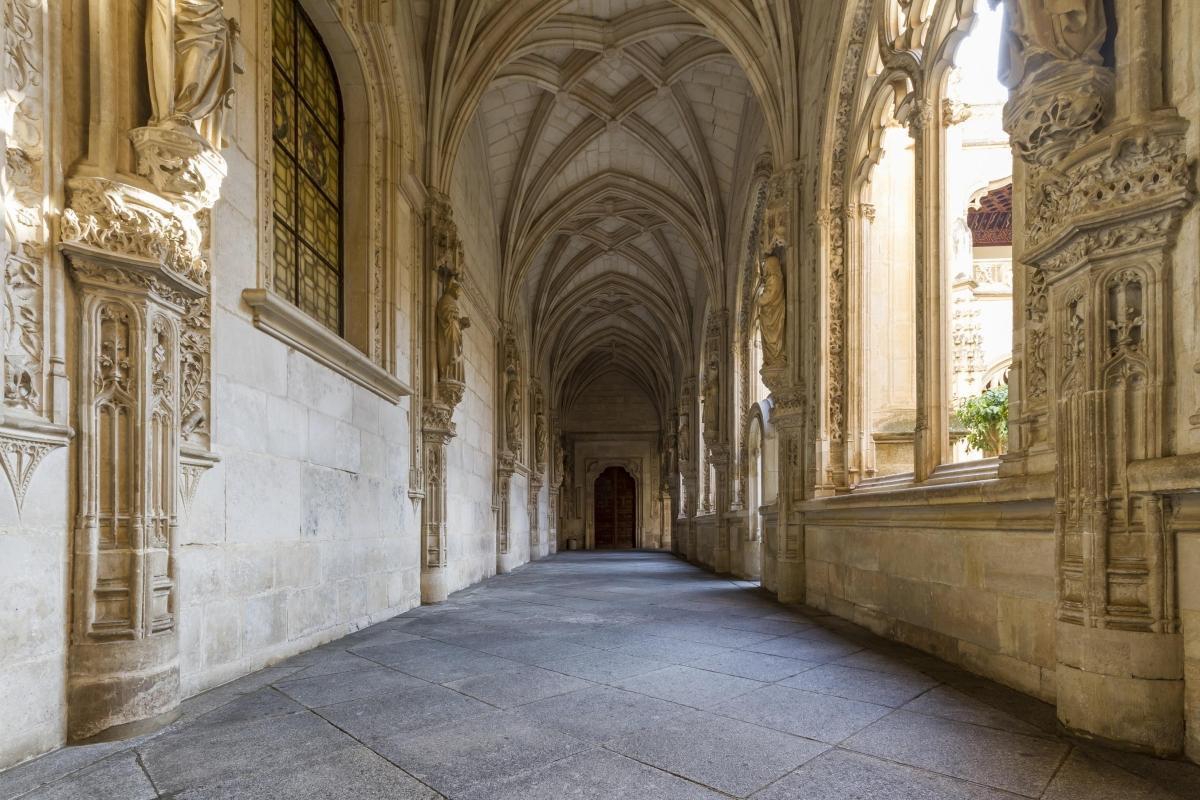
x=513, y=428
x=1102, y=232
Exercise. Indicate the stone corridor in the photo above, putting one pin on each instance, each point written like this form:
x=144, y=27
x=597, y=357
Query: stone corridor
x=616, y=675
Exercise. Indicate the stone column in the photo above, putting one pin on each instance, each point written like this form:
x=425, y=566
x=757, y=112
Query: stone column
x=437, y=431
x=136, y=251
x=1101, y=209
x=719, y=458
x=787, y=416
x=931, y=436
x=124, y=658
x=505, y=466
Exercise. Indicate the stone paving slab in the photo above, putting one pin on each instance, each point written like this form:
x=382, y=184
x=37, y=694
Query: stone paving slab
x=606, y=675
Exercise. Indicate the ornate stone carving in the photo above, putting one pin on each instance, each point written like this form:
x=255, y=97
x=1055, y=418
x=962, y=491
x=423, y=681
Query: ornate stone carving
x=179, y=165
x=129, y=222
x=1059, y=86
x=129, y=497
x=770, y=298
x=539, y=439
x=710, y=391
x=513, y=433
x=24, y=186
x=1139, y=167
x=450, y=325
x=20, y=456
x=192, y=55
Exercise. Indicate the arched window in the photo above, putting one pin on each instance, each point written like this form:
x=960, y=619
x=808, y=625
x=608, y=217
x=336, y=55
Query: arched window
x=308, y=146
x=977, y=240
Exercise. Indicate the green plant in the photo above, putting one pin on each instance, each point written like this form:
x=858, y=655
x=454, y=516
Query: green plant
x=985, y=417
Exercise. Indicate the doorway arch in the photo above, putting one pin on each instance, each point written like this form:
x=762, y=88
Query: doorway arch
x=614, y=509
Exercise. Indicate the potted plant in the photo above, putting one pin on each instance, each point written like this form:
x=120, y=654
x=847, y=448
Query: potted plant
x=985, y=419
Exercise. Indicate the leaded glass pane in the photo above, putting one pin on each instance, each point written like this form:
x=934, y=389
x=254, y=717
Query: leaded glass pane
x=283, y=112
x=318, y=289
x=283, y=27
x=318, y=222
x=318, y=155
x=284, y=278
x=285, y=185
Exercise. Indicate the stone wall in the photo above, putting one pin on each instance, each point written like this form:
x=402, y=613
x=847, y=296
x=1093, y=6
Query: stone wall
x=969, y=593
x=34, y=547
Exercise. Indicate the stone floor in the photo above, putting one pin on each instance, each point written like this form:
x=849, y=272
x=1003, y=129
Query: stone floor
x=631, y=676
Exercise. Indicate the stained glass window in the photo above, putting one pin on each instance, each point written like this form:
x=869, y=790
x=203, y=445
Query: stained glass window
x=307, y=120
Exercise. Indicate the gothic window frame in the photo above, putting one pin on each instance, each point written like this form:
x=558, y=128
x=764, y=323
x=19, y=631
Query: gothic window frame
x=299, y=176
x=373, y=231
x=908, y=53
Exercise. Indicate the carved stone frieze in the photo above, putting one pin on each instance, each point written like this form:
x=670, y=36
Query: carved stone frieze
x=126, y=221
x=1138, y=168
x=25, y=182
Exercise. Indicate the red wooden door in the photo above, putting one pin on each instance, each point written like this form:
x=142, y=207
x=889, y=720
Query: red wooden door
x=616, y=509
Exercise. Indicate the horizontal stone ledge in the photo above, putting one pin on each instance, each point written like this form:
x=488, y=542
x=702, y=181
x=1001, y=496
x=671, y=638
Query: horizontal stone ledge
x=1167, y=475
x=282, y=320
x=1017, y=489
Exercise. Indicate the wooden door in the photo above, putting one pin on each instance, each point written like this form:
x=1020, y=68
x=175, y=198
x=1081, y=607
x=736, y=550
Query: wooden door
x=616, y=509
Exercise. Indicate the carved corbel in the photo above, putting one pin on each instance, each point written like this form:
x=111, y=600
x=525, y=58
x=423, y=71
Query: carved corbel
x=1052, y=66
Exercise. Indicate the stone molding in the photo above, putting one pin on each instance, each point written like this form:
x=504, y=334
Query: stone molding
x=284, y=321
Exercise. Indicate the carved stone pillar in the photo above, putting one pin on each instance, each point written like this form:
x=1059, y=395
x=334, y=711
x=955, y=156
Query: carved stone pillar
x=505, y=466
x=787, y=416
x=124, y=656
x=438, y=430
x=1100, y=234
x=719, y=458
x=136, y=251
x=535, y=528
x=1101, y=208
x=444, y=385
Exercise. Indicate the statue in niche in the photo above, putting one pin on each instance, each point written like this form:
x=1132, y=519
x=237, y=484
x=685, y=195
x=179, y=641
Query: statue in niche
x=450, y=326
x=668, y=460
x=559, y=462
x=192, y=52
x=512, y=412
x=539, y=437
x=1045, y=31
x=770, y=300
x=709, y=394
x=685, y=440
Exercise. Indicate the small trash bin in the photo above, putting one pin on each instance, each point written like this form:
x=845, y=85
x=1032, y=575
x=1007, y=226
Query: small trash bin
x=572, y=544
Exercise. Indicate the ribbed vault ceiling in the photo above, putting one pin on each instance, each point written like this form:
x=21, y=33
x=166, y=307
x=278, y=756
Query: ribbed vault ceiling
x=611, y=134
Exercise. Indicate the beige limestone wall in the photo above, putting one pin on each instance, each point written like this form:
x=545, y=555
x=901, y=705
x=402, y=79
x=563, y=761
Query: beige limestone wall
x=471, y=460
x=304, y=530
x=971, y=591
x=471, y=455
x=33, y=612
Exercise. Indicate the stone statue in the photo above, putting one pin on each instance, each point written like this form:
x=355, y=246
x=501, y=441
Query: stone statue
x=685, y=440
x=450, y=326
x=539, y=437
x=710, y=393
x=1044, y=31
x=192, y=54
x=512, y=412
x=559, y=462
x=771, y=306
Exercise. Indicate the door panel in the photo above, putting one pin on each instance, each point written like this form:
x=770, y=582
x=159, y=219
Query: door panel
x=616, y=509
